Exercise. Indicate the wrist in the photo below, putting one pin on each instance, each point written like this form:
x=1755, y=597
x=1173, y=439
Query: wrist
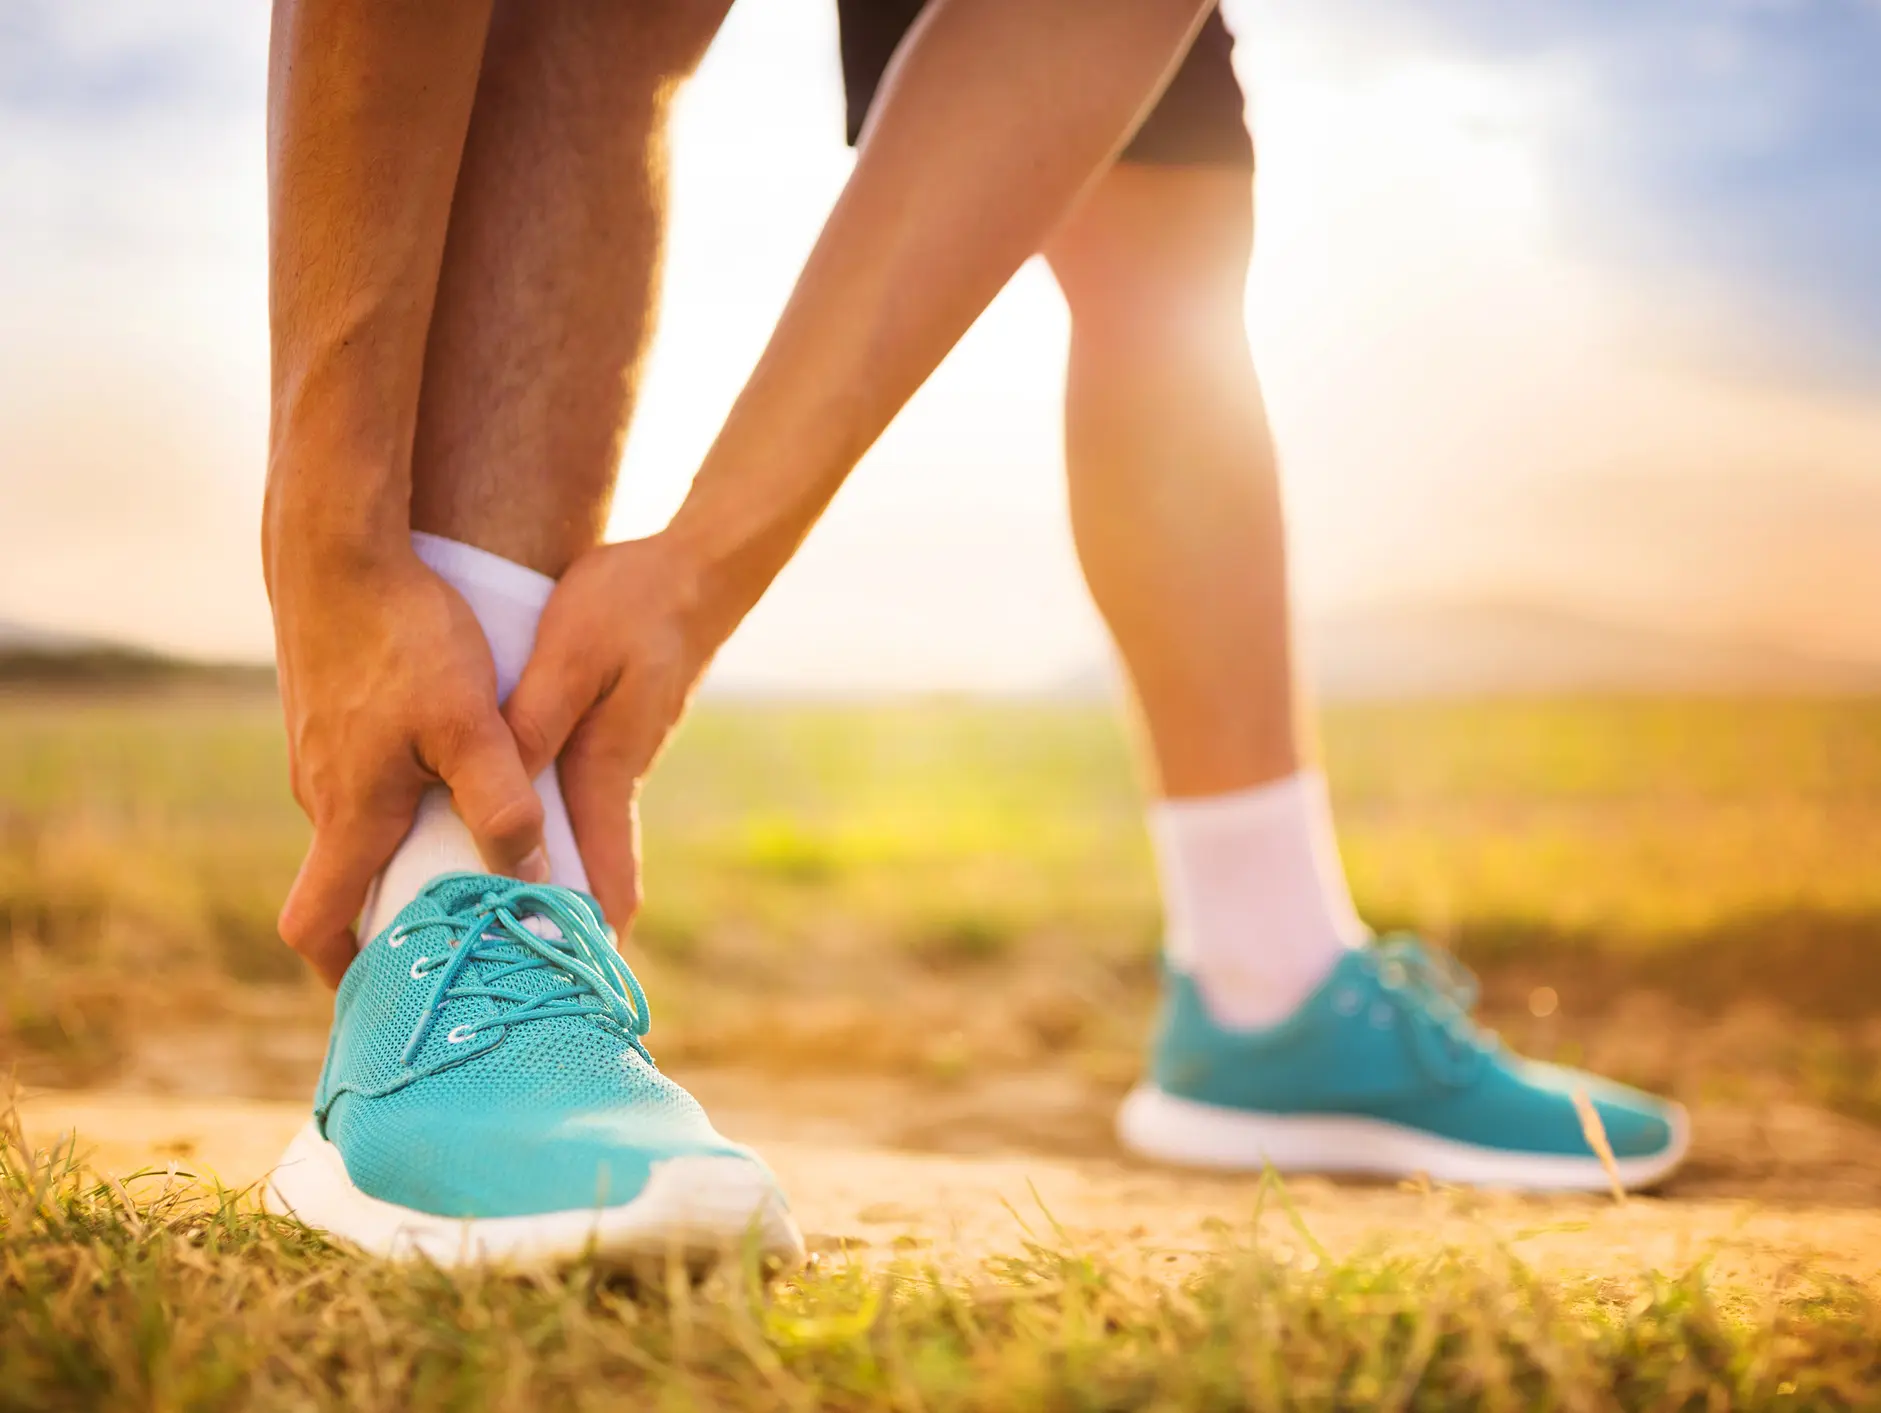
x=333, y=514
x=725, y=562
x=324, y=544
x=707, y=593
x=339, y=460
x=742, y=521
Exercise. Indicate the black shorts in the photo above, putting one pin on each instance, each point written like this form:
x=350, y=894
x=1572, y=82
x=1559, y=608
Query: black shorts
x=1200, y=121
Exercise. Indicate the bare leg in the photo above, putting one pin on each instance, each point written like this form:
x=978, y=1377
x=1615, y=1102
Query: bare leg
x=545, y=308
x=1175, y=504
x=551, y=270
x=1175, y=501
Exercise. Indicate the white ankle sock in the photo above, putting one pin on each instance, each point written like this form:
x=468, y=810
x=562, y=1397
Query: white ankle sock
x=1256, y=900
x=508, y=599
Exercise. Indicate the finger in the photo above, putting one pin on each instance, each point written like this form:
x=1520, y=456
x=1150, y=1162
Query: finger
x=600, y=790
x=330, y=889
x=493, y=796
x=546, y=705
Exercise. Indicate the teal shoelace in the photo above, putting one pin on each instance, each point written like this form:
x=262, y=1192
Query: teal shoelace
x=591, y=978
x=1438, y=993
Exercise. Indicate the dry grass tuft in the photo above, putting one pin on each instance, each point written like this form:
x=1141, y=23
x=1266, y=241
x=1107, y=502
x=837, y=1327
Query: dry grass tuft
x=160, y=1292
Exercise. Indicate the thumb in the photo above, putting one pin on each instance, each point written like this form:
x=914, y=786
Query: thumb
x=493, y=796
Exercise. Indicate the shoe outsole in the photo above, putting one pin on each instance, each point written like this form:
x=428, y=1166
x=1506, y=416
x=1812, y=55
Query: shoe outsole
x=1186, y=1132
x=695, y=1211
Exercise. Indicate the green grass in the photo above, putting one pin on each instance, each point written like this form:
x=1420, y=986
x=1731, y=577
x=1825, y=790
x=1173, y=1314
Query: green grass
x=1644, y=822
x=156, y=1293
x=987, y=862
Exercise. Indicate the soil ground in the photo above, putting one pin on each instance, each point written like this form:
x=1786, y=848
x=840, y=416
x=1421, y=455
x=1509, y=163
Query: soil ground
x=884, y=1168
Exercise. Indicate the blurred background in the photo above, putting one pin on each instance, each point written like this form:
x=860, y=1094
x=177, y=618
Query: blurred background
x=1570, y=323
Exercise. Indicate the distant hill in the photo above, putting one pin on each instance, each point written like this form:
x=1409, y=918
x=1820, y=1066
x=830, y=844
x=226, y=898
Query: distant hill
x=27, y=637
x=1422, y=650
x=1505, y=649
x=31, y=656
x=1491, y=648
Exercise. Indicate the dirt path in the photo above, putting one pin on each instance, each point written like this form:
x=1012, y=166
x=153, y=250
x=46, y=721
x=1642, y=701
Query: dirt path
x=880, y=1200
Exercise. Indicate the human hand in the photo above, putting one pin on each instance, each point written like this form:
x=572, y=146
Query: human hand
x=389, y=689
x=622, y=643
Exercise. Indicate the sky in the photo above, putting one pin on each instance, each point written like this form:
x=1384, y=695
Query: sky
x=1577, y=306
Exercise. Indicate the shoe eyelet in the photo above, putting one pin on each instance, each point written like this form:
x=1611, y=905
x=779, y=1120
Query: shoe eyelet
x=396, y=940
x=1384, y=1015
x=459, y=1034
x=420, y=968
x=1347, y=1002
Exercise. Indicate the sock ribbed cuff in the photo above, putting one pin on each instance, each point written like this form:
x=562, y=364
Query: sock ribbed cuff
x=466, y=565
x=1256, y=901
x=507, y=597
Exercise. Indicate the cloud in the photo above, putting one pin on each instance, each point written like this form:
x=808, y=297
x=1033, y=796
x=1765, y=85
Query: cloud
x=133, y=373
x=102, y=64
x=1493, y=235
x=1726, y=149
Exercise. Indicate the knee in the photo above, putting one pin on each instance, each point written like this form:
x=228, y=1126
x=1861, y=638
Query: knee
x=1157, y=259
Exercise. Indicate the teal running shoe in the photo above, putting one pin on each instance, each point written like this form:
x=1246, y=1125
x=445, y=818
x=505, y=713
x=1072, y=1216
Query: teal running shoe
x=1381, y=1072
x=488, y=1096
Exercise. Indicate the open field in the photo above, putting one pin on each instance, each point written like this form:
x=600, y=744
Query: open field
x=1697, y=871
x=909, y=950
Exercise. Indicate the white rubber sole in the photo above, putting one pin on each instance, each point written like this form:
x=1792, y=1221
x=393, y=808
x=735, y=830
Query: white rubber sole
x=1183, y=1131
x=695, y=1210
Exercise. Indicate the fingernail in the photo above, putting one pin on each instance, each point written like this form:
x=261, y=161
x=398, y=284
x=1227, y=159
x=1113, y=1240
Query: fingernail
x=535, y=868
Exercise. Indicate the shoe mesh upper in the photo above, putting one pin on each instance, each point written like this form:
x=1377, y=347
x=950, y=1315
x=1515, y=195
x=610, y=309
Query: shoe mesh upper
x=546, y=1114
x=1387, y=1038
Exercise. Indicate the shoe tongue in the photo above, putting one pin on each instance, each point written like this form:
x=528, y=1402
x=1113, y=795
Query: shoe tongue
x=460, y=892
x=502, y=950
x=542, y=927
x=457, y=895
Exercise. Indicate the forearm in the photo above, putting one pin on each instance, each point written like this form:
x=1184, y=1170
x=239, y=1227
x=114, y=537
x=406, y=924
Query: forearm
x=368, y=104
x=994, y=119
